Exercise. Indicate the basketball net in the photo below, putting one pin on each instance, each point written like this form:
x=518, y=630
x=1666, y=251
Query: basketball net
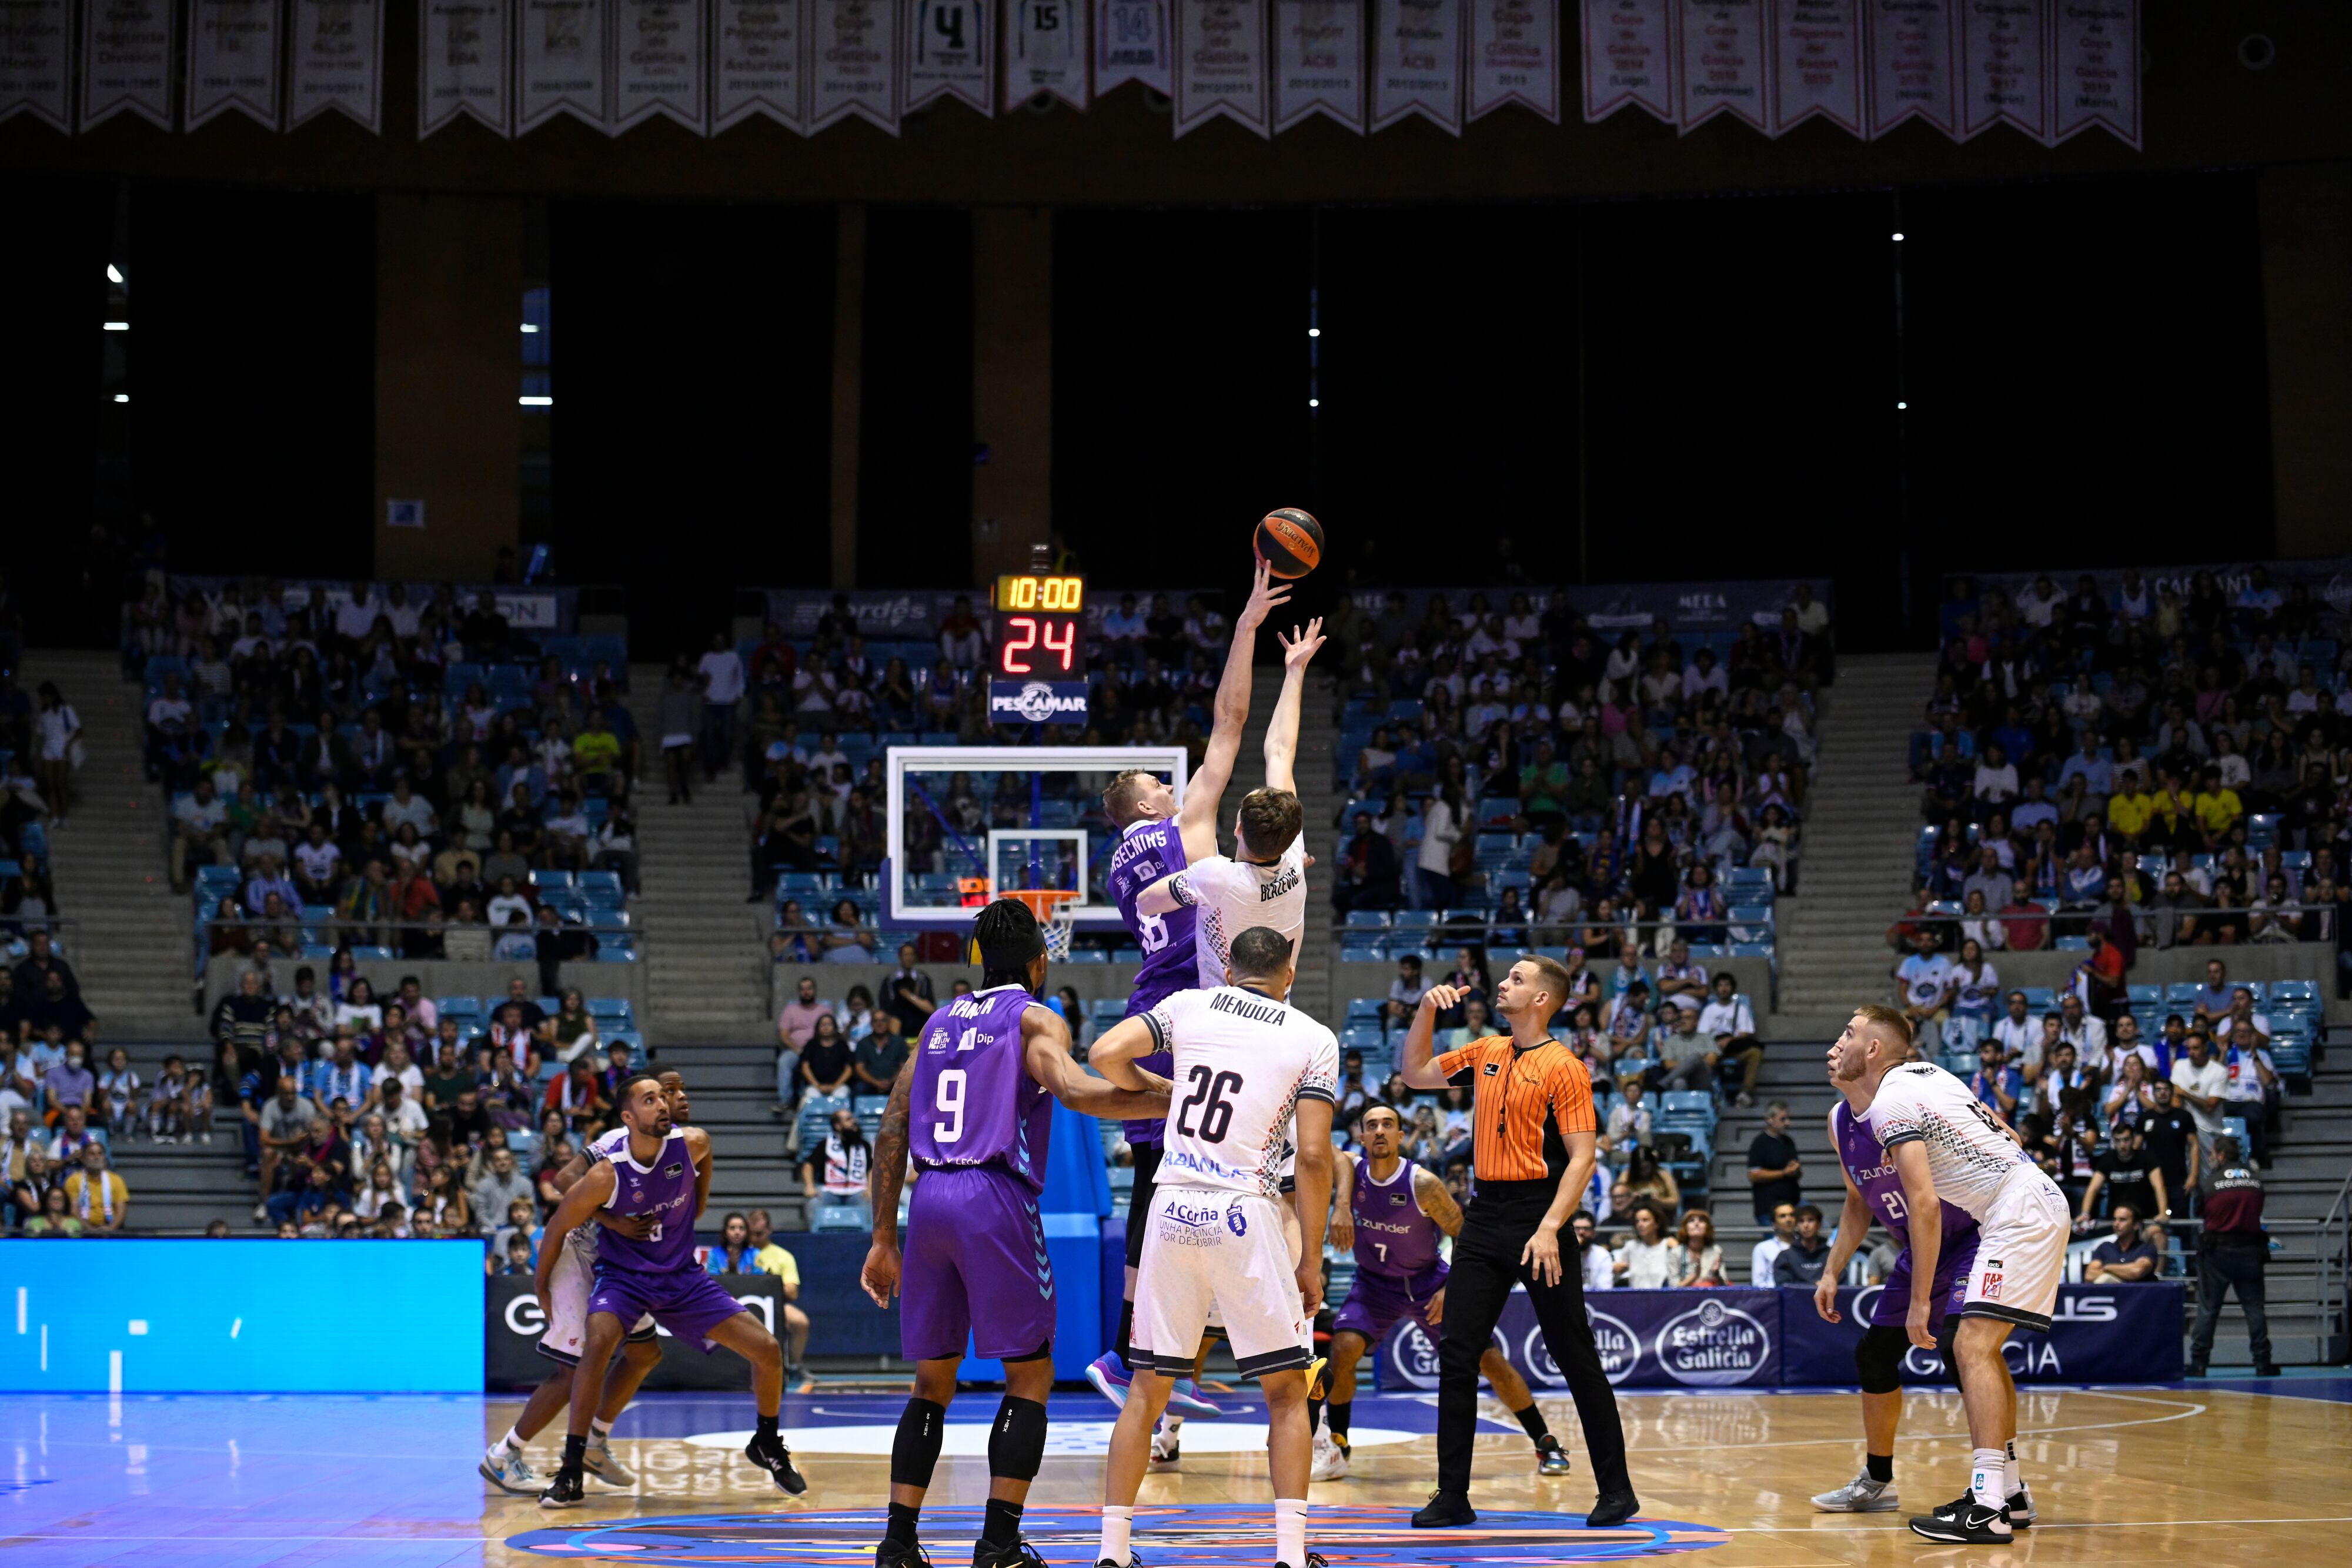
x=1054, y=908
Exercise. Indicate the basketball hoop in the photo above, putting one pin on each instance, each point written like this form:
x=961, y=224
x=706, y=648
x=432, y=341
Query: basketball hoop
x=1055, y=909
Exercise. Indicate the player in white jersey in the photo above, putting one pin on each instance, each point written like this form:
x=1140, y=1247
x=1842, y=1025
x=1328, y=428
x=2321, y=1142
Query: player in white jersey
x=1263, y=883
x=1946, y=1147
x=503, y=1466
x=1246, y=1065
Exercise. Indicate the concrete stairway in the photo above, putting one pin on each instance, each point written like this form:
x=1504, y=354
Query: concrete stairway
x=1855, y=876
x=707, y=968
x=127, y=933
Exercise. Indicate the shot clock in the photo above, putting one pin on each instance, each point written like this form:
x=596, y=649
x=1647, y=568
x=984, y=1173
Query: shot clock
x=1037, y=651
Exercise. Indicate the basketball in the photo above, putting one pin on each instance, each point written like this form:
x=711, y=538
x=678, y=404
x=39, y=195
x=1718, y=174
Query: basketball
x=1290, y=541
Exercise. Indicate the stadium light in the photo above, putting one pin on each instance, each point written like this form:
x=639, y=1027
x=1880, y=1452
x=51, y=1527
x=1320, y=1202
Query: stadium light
x=122, y=397
x=1902, y=405
x=1898, y=236
x=1315, y=402
x=113, y=275
x=117, y=326
x=1314, y=331
x=529, y=327
x=530, y=400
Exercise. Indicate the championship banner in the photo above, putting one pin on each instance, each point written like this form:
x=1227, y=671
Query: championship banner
x=1132, y=44
x=126, y=60
x=464, y=64
x=1720, y=55
x=1046, y=51
x=232, y=61
x=950, y=54
x=1629, y=50
x=1318, y=62
x=2099, y=1333
x=1417, y=63
x=1647, y=1338
x=36, y=61
x=1221, y=63
x=758, y=62
x=2094, y=64
x=854, y=63
x=511, y=1324
x=1817, y=64
x=658, y=63
x=2005, y=67
x=559, y=62
x=336, y=61
x=1913, y=70
x=1515, y=57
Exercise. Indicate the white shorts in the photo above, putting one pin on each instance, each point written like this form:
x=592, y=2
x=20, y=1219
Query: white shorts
x=1207, y=1250
x=2021, y=1252
x=567, y=1300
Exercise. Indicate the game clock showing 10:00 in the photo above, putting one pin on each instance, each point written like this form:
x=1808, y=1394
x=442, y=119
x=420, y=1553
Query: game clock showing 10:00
x=1037, y=630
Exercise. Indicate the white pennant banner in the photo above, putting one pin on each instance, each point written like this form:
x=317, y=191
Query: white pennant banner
x=1628, y=58
x=1417, y=63
x=855, y=51
x=1133, y=43
x=36, y=61
x=232, y=61
x=126, y=60
x=1721, y=54
x=1221, y=63
x=758, y=62
x=1914, y=65
x=559, y=62
x=464, y=67
x=1046, y=51
x=657, y=62
x=2094, y=64
x=1515, y=57
x=2005, y=67
x=336, y=61
x=1817, y=64
x=950, y=53
x=1318, y=62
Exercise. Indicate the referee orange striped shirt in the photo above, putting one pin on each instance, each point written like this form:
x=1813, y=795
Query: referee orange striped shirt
x=1524, y=1103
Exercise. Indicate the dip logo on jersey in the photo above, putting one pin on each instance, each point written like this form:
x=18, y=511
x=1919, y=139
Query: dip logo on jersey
x=1713, y=1347
x=1620, y=1346
x=1187, y=1224
x=1196, y=1535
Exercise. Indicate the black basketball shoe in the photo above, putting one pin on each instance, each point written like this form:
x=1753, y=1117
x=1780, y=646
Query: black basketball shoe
x=564, y=1490
x=1020, y=1555
x=1964, y=1521
x=901, y=1554
x=772, y=1456
x=1443, y=1510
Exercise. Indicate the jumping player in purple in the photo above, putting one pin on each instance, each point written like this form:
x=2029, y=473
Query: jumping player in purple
x=658, y=1175
x=1875, y=1192
x=1392, y=1212
x=974, y=1107
x=1157, y=839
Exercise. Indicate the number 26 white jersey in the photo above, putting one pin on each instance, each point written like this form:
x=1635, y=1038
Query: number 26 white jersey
x=1969, y=1155
x=1243, y=1061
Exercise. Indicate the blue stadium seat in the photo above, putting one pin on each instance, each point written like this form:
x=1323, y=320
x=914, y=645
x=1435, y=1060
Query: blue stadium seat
x=1367, y=919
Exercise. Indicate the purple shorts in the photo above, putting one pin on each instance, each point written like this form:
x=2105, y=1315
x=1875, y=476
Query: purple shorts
x=688, y=1303
x=976, y=1268
x=1375, y=1302
x=1953, y=1267
x=1162, y=1063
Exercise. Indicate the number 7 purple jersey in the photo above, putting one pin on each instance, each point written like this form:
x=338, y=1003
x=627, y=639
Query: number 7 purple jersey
x=973, y=1101
x=1146, y=853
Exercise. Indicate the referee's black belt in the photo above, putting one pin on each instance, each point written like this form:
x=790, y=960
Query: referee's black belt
x=1512, y=1194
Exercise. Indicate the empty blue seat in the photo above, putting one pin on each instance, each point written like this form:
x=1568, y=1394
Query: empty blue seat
x=1367, y=919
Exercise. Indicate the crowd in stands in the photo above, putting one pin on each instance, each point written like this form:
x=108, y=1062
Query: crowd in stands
x=39, y=732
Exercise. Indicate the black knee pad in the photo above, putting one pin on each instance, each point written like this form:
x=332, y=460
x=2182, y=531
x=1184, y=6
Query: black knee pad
x=1878, y=1359
x=1016, y=1443
x=915, y=1452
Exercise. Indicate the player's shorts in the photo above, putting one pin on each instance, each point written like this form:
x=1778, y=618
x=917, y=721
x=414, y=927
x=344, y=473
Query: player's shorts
x=1138, y=1201
x=1229, y=1252
x=976, y=1268
x=1954, y=1267
x=2021, y=1252
x=1376, y=1301
x=687, y=1301
x=567, y=1297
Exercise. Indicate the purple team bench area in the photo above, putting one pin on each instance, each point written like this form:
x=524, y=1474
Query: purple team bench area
x=1774, y=1339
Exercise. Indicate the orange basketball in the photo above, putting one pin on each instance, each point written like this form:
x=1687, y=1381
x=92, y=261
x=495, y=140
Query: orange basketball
x=1290, y=541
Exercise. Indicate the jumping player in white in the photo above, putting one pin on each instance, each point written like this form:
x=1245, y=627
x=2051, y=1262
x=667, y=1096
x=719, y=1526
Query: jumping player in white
x=1946, y=1147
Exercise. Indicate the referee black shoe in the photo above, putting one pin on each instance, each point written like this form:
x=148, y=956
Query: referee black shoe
x=1612, y=1508
x=770, y=1455
x=1445, y=1510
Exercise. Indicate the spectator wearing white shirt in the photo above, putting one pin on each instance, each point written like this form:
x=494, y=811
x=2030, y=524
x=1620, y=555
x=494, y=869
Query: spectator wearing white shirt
x=2200, y=1079
x=1629, y=1118
x=2018, y=1034
x=1784, y=1232
x=1995, y=783
x=1649, y=1259
x=1728, y=1018
x=2250, y=1085
x=2059, y=1074
x=1926, y=978
x=355, y=617
x=2087, y=1033
x=2038, y=600
x=722, y=692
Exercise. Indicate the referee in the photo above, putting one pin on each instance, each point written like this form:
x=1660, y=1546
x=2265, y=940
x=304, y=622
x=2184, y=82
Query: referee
x=1533, y=1154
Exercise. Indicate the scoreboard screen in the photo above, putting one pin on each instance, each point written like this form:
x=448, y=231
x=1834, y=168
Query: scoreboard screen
x=1039, y=633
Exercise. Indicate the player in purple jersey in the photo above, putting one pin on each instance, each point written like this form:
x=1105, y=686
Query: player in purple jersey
x=974, y=1107
x=661, y=1175
x=1157, y=839
x=1391, y=1212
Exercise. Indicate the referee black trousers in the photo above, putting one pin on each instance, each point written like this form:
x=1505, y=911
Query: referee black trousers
x=1501, y=1218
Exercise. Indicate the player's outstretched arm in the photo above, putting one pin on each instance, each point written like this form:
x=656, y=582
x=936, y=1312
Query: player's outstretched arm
x=591, y=1191
x=1124, y=1090
x=1196, y=819
x=1415, y=1063
x=1282, y=729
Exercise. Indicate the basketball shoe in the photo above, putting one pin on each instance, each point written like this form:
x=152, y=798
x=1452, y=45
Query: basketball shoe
x=1860, y=1495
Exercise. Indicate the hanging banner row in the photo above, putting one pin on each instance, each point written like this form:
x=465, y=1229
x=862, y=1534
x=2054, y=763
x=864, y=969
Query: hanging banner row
x=2050, y=67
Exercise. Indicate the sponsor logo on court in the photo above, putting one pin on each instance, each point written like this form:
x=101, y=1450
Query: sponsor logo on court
x=1713, y=1347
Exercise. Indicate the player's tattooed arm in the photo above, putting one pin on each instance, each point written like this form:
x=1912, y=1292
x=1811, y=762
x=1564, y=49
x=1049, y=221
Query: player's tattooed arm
x=589, y=1194
x=1429, y=1191
x=880, y=1275
x=1131, y=1093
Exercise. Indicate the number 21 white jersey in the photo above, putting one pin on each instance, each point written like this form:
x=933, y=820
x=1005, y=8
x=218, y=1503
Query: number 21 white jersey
x=1243, y=1061
x=1969, y=1156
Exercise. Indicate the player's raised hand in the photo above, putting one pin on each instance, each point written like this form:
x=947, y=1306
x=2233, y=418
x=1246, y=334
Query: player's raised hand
x=1267, y=592
x=1300, y=646
x=1825, y=1299
x=880, y=1275
x=1441, y=999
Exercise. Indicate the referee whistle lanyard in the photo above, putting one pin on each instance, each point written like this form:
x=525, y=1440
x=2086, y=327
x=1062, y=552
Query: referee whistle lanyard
x=1502, y=1111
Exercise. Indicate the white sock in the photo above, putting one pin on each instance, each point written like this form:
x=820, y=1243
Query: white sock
x=1290, y=1531
x=512, y=1442
x=602, y=1428
x=1984, y=1478
x=1117, y=1522
x=2008, y=1470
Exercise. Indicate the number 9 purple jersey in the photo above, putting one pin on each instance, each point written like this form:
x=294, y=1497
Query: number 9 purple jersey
x=1146, y=853
x=973, y=1101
